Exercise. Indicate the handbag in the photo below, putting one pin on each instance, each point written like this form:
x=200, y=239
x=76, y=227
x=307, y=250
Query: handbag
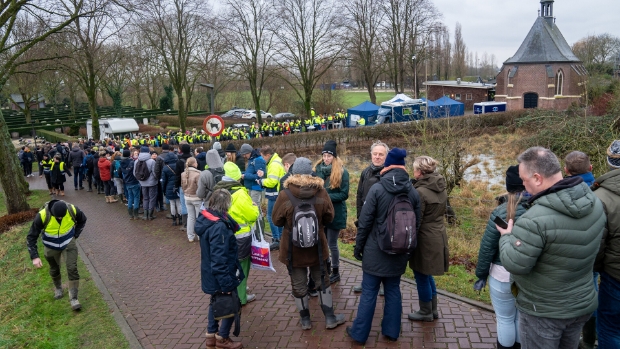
x=227, y=305
x=260, y=255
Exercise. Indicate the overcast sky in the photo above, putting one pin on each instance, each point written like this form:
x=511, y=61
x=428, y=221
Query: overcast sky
x=499, y=26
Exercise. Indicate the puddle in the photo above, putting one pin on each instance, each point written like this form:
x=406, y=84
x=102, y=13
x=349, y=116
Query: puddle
x=487, y=170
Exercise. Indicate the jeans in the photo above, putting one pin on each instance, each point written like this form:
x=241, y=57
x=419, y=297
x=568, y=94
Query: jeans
x=392, y=310
x=107, y=186
x=78, y=177
x=332, y=243
x=276, y=232
x=193, y=210
x=182, y=198
x=426, y=286
x=149, y=195
x=608, y=313
x=71, y=256
x=545, y=333
x=160, y=196
x=133, y=196
x=506, y=312
x=118, y=182
x=214, y=325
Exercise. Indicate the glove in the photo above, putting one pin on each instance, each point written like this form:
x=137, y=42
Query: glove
x=357, y=253
x=479, y=285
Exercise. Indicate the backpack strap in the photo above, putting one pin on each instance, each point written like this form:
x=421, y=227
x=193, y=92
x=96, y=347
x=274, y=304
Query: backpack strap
x=48, y=214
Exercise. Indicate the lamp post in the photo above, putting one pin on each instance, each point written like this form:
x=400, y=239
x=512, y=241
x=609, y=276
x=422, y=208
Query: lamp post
x=415, y=78
x=34, y=134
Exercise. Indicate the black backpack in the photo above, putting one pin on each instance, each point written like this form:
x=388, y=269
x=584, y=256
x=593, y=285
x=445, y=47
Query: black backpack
x=142, y=170
x=217, y=173
x=305, y=231
x=399, y=235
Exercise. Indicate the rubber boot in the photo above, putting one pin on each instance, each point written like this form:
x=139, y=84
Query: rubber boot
x=304, y=312
x=152, y=214
x=130, y=211
x=210, y=343
x=146, y=216
x=226, y=343
x=275, y=245
x=113, y=200
x=434, y=307
x=335, y=276
x=424, y=314
x=327, y=305
x=588, y=334
x=136, y=213
x=174, y=220
x=57, y=287
x=73, y=294
x=184, y=222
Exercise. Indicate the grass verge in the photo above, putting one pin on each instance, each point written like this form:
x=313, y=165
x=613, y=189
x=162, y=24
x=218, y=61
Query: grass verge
x=31, y=317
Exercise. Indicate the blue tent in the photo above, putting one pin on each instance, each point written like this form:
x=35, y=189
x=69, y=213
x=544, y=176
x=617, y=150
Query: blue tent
x=365, y=110
x=445, y=107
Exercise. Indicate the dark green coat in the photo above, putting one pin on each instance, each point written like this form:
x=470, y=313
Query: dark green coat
x=338, y=196
x=607, y=189
x=551, y=250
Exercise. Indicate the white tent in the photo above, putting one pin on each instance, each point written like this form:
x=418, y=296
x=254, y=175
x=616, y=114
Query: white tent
x=402, y=98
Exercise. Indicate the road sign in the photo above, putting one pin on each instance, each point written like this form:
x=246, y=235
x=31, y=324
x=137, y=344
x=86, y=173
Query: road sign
x=213, y=125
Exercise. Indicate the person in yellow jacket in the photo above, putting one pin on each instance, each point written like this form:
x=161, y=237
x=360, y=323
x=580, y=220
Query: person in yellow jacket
x=271, y=183
x=245, y=213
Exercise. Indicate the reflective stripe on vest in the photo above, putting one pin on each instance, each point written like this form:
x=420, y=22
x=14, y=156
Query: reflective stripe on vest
x=58, y=235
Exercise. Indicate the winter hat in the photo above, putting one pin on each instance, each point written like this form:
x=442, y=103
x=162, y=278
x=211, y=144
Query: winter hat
x=613, y=154
x=330, y=148
x=396, y=156
x=185, y=149
x=302, y=166
x=217, y=146
x=126, y=153
x=165, y=146
x=213, y=159
x=59, y=209
x=245, y=149
x=144, y=149
x=230, y=148
x=232, y=170
x=514, y=184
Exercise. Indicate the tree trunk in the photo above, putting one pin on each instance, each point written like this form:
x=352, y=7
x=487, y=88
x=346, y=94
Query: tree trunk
x=12, y=179
x=372, y=94
x=92, y=107
x=182, y=115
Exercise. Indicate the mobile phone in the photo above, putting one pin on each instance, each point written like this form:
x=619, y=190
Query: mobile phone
x=500, y=222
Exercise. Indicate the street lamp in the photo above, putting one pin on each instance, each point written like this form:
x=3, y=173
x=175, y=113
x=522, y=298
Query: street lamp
x=34, y=134
x=415, y=78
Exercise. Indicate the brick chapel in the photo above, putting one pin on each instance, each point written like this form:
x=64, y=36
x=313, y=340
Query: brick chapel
x=544, y=73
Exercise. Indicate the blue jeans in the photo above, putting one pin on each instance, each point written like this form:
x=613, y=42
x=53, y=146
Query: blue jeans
x=276, y=232
x=426, y=286
x=182, y=198
x=133, y=196
x=214, y=325
x=78, y=177
x=392, y=310
x=505, y=312
x=608, y=313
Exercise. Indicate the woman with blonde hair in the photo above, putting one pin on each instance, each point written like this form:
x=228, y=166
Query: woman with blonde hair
x=331, y=169
x=189, y=183
x=430, y=256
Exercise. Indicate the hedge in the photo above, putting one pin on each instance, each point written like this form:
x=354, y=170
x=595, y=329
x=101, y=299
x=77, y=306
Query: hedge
x=53, y=137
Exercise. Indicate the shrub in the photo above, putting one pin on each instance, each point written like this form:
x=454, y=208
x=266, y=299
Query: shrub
x=74, y=130
x=6, y=222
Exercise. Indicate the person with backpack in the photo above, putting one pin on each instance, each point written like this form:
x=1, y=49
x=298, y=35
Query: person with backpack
x=76, y=158
x=215, y=165
x=206, y=181
x=304, y=209
x=168, y=176
x=59, y=224
x=144, y=171
x=336, y=178
x=131, y=185
x=386, y=231
x=431, y=255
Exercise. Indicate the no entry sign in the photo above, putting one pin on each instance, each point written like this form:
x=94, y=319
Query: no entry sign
x=213, y=125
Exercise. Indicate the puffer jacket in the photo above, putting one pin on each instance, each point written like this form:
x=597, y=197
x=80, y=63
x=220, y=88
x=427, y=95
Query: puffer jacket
x=255, y=163
x=76, y=156
x=489, y=245
x=551, y=250
x=150, y=163
x=104, y=169
x=218, y=253
x=607, y=189
x=338, y=196
x=431, y=256
x=374, y=213
x=243, y=211
x=370, y=175
x=189, y=183
x=168, y=176
x=303, y=187
x=127, y=164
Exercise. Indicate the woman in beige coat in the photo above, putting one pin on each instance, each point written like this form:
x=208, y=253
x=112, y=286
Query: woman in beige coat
x=189, y=183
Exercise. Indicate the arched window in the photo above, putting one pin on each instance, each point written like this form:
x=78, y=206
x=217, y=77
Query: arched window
x=559, y=82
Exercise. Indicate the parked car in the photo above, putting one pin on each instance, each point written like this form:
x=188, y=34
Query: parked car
x=284, y=115
x=251, y=114
x=235, y=112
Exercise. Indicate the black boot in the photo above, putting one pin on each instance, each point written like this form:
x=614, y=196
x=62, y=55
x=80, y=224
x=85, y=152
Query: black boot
x=304, y=312
x=174, y=220
x=499, y=346
x=130, y=211
x=183, y=222
x=335, y=277
x=424, y=314
x=327, y=305
x=434, y=307
x=147, y=215
x=152, y=214
x=275, y=245
x=588, y=334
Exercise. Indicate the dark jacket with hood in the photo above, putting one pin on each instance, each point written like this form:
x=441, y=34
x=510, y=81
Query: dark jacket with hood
x=430, y=256
x=168, y=176
x=201, y=159
x=76, y=156
x=127, y=164
x=338, y=196
x=607, y=189
x=374, y=213
x=303, y=187
x=255, y=163
x=370, y=175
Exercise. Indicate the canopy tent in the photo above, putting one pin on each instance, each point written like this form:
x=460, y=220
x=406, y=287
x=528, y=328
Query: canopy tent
x=366, y=110
x=401, y=98
x=446, y=107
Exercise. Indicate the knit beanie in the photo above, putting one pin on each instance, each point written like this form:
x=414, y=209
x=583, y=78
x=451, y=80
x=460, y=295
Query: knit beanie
x=217, y=145
x=302, y=166
x=165, y=146
x=232, y=170
x=396, y=156
x=245, y=149
x=144, y=149
x=514, y=184
x=230, y=148
x=613, y=154
x=330, y=148
x=185, y=149
x=213, y=159
x=59, y=209
x=126, y=153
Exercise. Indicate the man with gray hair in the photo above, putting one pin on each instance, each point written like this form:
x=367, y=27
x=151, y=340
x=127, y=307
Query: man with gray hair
x=550, y=251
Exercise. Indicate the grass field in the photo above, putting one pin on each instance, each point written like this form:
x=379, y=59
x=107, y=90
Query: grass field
x=353, y=98
x=31, y=317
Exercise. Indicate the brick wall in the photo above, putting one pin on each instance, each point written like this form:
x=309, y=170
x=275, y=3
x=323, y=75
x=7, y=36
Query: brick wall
x=477, y=94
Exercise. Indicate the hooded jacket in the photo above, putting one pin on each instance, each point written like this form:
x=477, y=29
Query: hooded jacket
x=168, y=176
x=607, y=189
x=201, y=159
x=150, y=163
x=338, y=196
x=255, y=163
x=104, y=169
x=551, y=250
x=127, y=164
x=76, y=156
x=374, y=213
x=303, y=187
x=430, y=256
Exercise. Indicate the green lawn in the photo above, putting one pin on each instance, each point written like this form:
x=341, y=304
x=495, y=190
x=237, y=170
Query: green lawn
x=31, y=317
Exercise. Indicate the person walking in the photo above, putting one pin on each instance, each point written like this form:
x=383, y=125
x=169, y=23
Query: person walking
x=489, y=267
x=76, y=158
x=148, y=182
x=336, y=178
x=189, y=183
x=46, y=165
x=59, y=224
x=220, y=271
x=27, y=159
x=57, y=175
x=431, y=256
x=379, y=267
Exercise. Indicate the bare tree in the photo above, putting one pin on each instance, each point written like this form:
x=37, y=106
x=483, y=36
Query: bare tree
x=212, y=58
x=310, y=40
x=116, y=78
x=597, y=51
x=459, y=54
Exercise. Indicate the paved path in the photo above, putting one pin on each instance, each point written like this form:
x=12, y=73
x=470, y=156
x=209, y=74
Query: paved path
x=152, y=274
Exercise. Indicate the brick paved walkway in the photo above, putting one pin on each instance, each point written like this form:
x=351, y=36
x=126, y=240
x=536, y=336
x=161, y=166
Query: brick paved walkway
x=152, y=274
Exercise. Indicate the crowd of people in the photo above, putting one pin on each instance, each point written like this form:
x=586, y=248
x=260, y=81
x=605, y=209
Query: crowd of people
x=541, y=254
